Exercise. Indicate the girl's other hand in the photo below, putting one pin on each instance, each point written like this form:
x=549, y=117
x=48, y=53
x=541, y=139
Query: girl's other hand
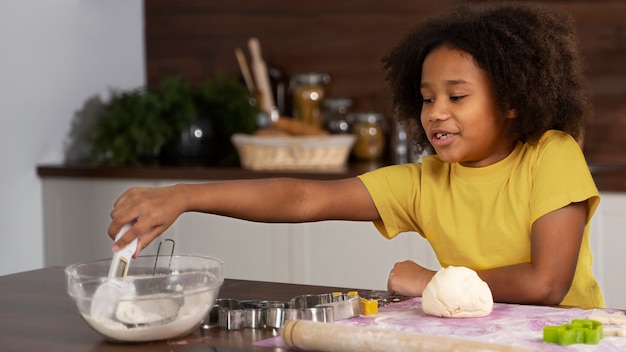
x=154, y=209
x=408, y=278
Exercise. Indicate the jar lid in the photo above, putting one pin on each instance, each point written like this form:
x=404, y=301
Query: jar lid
x=369, y=117
x=310, y=78
x=337, y=102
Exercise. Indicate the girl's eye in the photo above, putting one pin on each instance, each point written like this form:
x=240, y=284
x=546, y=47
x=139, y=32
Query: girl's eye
x=427, y=100
x=457, y=97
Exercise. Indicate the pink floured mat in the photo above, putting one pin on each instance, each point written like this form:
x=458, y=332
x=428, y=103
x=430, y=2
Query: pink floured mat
x=508, y=324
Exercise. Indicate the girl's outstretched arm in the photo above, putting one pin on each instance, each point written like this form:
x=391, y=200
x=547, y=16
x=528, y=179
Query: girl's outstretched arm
x=268, y=200
x=556, y=238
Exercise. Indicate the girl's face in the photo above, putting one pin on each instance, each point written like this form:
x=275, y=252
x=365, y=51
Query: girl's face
x=459, y=112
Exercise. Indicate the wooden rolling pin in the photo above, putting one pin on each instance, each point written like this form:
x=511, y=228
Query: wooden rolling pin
x=325, y=337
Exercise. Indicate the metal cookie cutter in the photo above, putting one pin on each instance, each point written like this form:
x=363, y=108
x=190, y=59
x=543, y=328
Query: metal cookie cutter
x=277, y=316
x=232, y=314
x=344, y=305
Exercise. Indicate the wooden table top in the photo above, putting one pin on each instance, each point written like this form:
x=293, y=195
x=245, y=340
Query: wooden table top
x=37, y=314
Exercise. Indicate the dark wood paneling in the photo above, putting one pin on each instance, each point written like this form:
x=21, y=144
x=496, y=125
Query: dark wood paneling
x=195, y=39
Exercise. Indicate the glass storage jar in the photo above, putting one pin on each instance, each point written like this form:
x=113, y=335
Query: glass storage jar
x=336, y=115
x=307, y=91
x=370, y=135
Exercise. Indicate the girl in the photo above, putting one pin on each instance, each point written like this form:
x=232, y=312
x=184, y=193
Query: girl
x=499, y=95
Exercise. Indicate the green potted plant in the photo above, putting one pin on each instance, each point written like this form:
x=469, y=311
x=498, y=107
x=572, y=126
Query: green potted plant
x=175, y=124
x=136, y=124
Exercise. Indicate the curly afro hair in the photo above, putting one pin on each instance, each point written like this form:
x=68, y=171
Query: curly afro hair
x=531, y=54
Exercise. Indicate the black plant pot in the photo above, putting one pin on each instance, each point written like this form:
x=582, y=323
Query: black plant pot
x=195, y=146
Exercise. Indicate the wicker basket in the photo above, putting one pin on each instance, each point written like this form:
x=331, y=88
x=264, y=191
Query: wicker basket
x=293, y=152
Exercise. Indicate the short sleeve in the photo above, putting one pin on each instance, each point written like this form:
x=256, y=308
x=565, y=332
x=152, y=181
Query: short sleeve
x=395, y=191
x=561, y=177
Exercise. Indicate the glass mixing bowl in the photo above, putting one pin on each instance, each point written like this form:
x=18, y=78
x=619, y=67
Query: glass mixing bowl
x=162, y=297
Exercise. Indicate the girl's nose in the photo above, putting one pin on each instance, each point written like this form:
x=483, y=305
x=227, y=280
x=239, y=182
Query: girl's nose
x=437, y=111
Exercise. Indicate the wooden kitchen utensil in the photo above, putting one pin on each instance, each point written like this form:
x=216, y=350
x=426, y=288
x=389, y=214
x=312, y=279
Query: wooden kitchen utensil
x=262, y=80
x=326, y=337
x=245, y=70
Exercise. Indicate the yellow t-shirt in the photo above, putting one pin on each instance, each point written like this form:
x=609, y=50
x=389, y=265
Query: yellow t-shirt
x=481, y=218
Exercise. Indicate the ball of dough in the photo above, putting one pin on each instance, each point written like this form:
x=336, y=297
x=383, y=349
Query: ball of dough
x=457, y=292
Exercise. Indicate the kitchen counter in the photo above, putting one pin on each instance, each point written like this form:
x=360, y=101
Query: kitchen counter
x=608, y=177
x=37, y=314
x=196, y=172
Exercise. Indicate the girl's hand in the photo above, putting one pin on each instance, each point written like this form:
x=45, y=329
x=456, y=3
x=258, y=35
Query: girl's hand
x=154, y=209
x=408, y=278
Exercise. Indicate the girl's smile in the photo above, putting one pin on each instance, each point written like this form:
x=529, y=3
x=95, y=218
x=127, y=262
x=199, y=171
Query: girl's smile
x=459, y=113
x=441, y=138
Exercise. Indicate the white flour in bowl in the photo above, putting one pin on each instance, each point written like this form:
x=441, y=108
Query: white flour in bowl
x=194, y=309
x=149, y=310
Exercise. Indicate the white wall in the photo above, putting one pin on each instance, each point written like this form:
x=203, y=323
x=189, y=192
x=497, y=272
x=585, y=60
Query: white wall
x=54, y=55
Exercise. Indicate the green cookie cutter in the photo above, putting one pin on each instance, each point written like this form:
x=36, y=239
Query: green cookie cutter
x=585, y=331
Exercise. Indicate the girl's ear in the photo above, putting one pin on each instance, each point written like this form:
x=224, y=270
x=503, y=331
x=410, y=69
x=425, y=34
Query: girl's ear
x=511, y=113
